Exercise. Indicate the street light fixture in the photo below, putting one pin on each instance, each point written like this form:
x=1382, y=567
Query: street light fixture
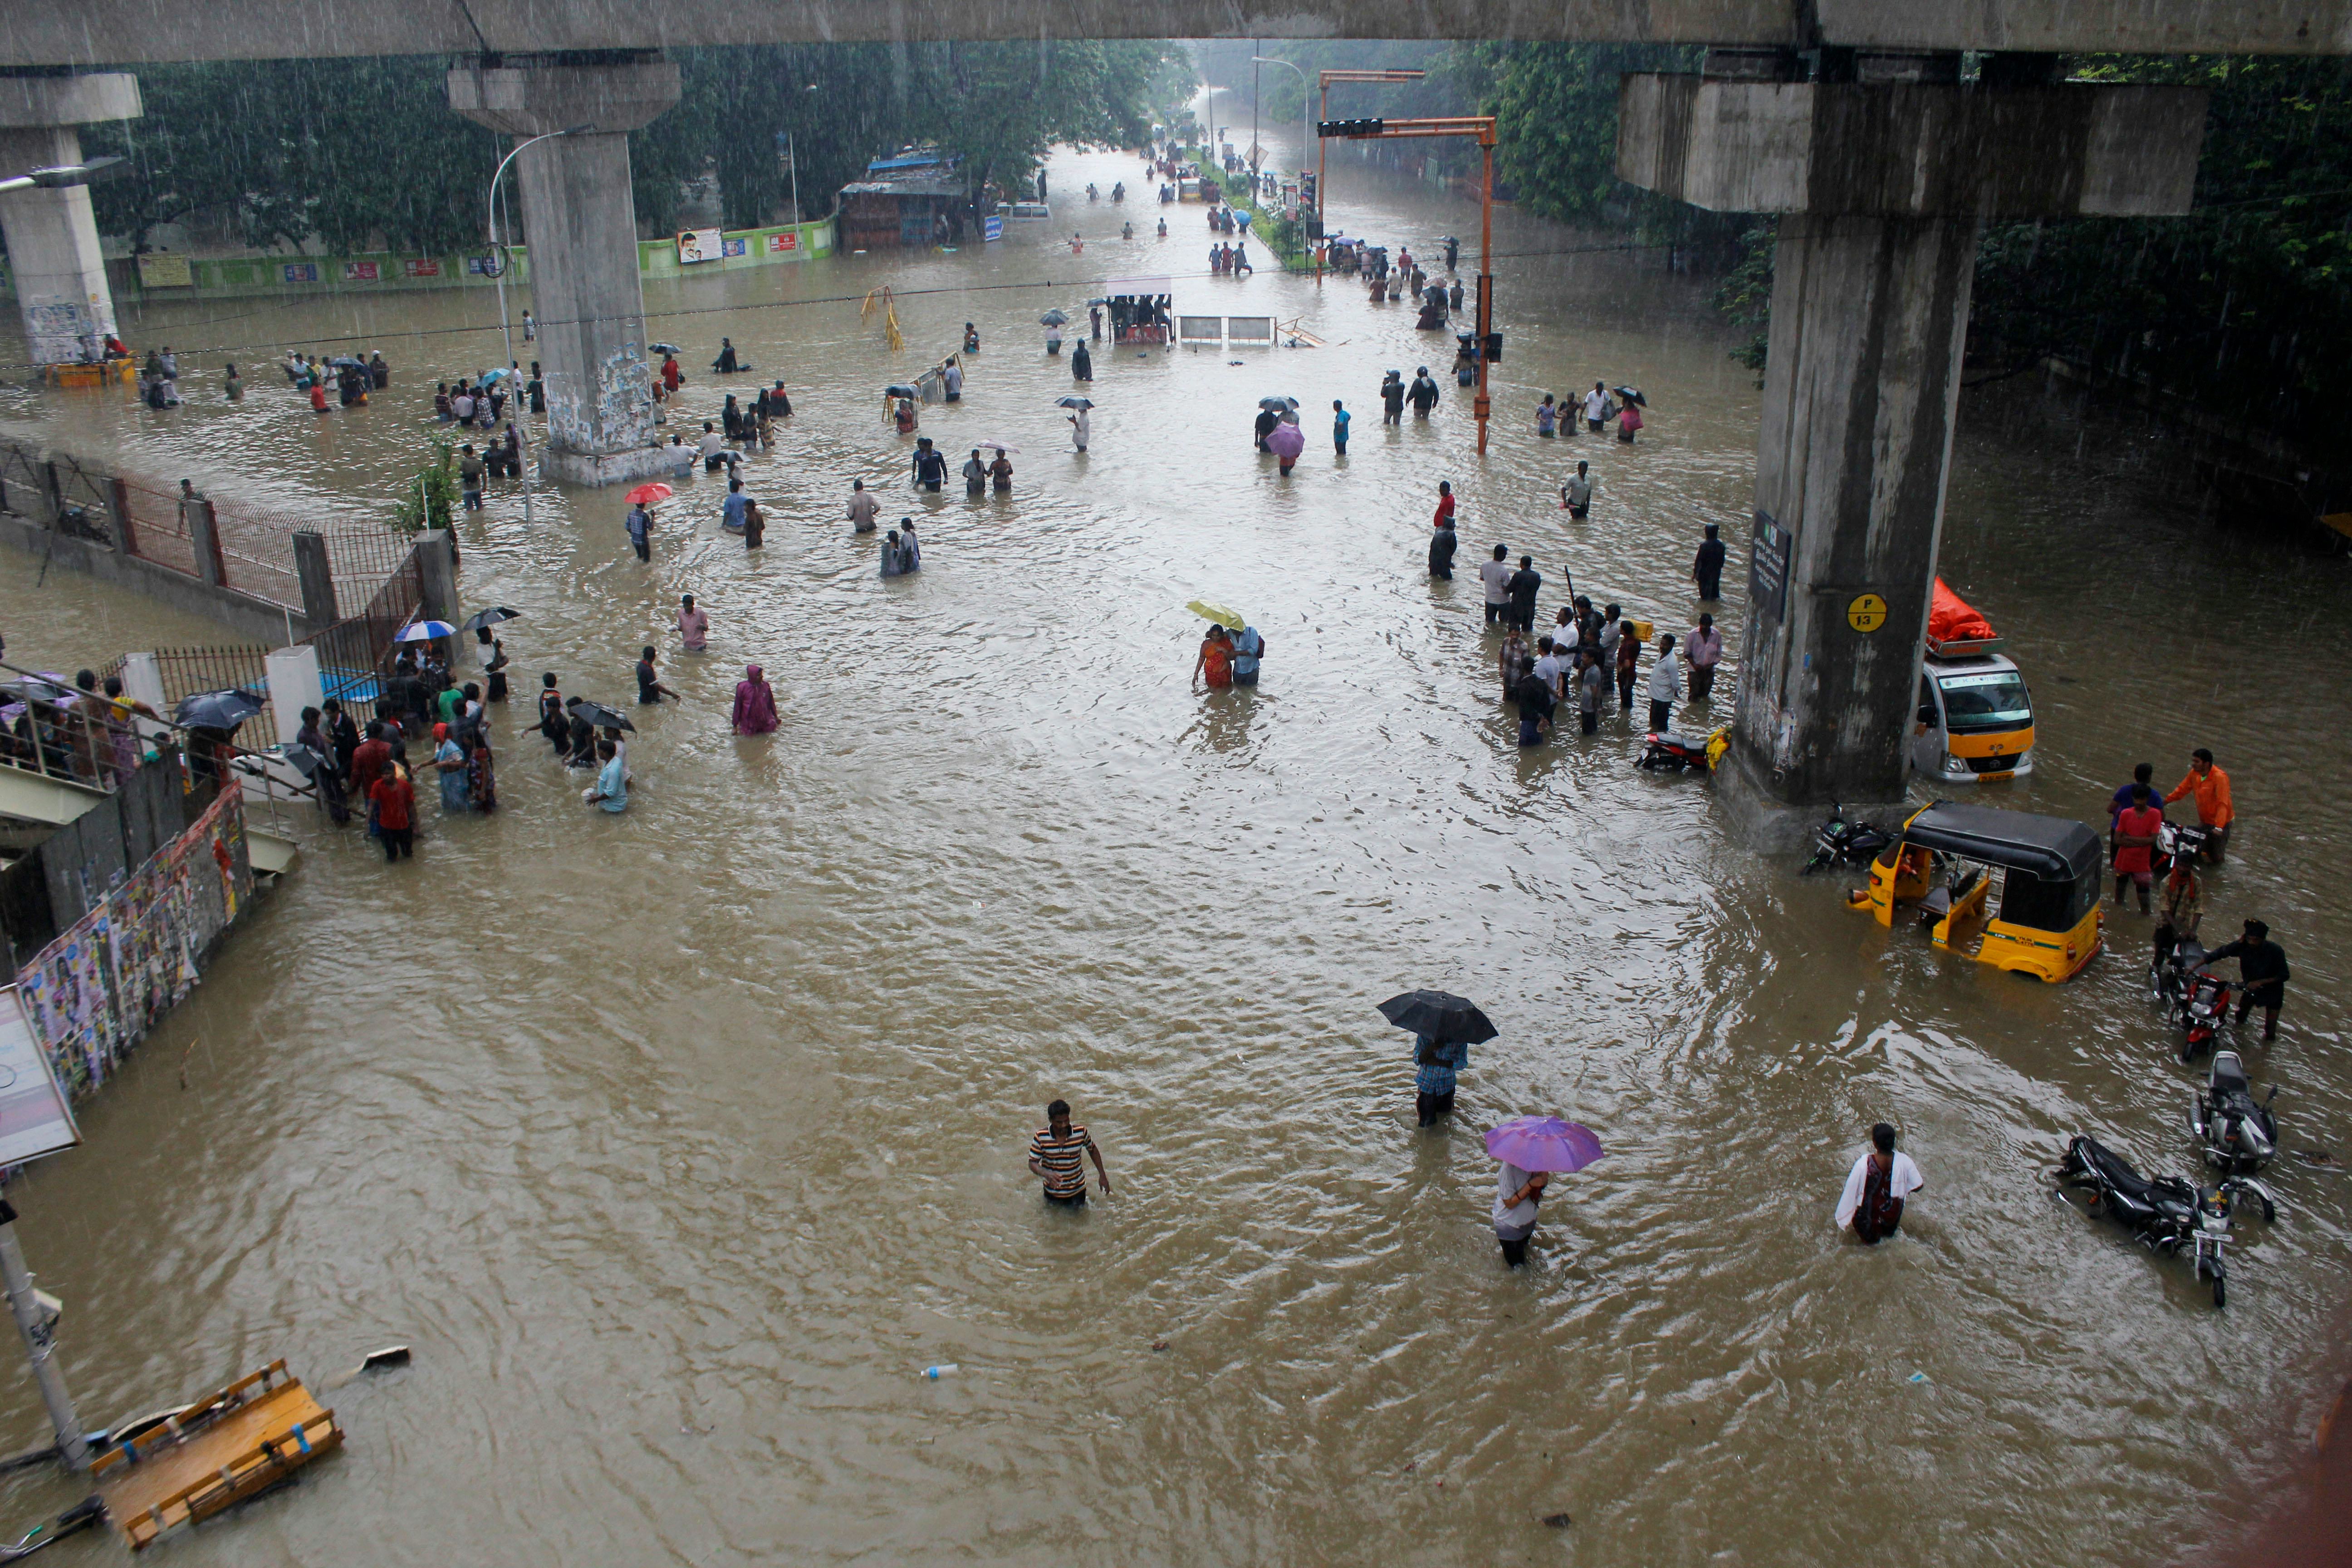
x=89, y=172
x=1269, y=61
x=505, y=331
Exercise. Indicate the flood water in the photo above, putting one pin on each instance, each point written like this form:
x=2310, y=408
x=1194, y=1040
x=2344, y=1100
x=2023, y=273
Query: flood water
x=676, y=1144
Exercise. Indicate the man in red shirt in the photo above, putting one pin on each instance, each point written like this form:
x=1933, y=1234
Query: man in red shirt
x=395, y=800
x=370, y=760
x=2136, y=827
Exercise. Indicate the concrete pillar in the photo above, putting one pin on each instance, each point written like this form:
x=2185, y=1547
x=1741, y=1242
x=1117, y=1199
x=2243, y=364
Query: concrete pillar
x=317, y=576
x=437, y=572
x=53, y=252
x=203, y=540
x=580, y=223
x=1883, y=179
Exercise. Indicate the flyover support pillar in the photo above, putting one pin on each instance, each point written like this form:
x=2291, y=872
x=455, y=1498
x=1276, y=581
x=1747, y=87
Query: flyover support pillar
x=1883, y=176
x=53, y=250
x=580, y=224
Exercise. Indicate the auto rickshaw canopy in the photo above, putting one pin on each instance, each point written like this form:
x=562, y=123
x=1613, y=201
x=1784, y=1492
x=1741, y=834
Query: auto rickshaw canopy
x=2054, y=849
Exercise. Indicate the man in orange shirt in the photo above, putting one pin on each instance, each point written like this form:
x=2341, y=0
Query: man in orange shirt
x=2211, y=788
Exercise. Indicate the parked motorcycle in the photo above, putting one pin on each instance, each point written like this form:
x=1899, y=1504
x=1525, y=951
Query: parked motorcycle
x=2239, y=1135
x=2175, y=840
x=1840, y=842
x=1673, y=752
x=2169, y=1215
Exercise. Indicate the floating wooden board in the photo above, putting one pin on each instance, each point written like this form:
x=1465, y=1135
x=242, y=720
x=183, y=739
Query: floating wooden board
x=220, y=1451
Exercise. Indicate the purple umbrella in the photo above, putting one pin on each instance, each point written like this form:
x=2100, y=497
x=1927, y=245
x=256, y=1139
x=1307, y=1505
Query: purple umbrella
x=1285, y=441
x=1544, y=1143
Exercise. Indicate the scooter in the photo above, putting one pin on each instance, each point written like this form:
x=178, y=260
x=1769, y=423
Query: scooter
x=2168, y=1215
x=2200, y=1009
x=1842, y=843
x=2175, y=840
x=1667, y=750
x=2239, y=1135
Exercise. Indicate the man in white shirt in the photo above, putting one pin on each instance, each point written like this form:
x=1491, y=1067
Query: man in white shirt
x=1549, y=666
x=1496, y=576
x=1872, y=1204
x=1703, y=651
x=1577, y=494
x=1596, y=407
x=1613, y=627
x=1666, y=687
x=712, y=446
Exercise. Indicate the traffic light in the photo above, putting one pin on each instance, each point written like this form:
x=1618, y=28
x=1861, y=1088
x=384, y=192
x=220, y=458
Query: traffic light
x=1350, y=127
x=1494, y=352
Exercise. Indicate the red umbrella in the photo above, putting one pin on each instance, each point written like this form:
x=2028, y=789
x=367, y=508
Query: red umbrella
x=646, y=495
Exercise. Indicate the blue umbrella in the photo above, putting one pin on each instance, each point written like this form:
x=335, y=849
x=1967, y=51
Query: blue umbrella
x=216, y=709
x=426, y=631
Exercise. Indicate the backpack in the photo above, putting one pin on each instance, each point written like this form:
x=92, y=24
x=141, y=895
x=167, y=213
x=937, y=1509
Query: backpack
x=1881, y=1211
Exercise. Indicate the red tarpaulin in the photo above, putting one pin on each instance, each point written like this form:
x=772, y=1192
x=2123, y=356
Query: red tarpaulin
x=1949, y=619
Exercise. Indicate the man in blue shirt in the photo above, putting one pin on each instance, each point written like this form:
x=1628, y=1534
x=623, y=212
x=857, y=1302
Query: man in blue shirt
x=1434, y=1064
x=731, y=509
x=1248, y=648
x=1340, y=419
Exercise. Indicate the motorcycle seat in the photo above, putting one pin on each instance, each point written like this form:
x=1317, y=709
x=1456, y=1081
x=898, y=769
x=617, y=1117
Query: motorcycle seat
x=2229, y=1075
x=2116, y=1171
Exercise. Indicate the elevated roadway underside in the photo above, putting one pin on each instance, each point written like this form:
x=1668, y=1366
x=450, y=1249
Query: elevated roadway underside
x=129, y=32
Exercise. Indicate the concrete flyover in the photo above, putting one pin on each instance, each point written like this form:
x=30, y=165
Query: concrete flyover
x=89, y=33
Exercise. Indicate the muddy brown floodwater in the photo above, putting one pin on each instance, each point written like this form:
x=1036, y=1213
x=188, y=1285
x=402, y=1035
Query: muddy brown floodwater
x=676, y=1144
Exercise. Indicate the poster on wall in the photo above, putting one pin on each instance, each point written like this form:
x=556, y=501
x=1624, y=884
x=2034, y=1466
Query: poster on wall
x=300, y=271
x=992, y=227
x=780, y=244
x=732, y=245
x=34, y=1118
x=362, y=271
x=1769, y=548
x=421, y=268
x=166, y=272
x=699, y=245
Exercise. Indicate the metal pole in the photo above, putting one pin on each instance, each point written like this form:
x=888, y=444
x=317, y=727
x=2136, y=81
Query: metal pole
x=40, y=1345
x=793, y=157
x=1322, y=174
x=1485, y=282
x=505, y=332
x=1255, y=45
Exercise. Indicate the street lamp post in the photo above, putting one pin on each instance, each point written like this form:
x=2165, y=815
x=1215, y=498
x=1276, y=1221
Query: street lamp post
x=1256, y=60
x=505, y=331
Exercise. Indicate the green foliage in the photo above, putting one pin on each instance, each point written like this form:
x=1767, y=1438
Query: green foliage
x=1744, y=295
x=2246, y=303
x=429, y=499
x=342, y=150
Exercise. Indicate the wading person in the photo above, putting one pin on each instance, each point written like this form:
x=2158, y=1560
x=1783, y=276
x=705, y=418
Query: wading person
x=2179, y=910
x=1872, y=1204
x=2136, y=827
x=1340, y=419
x=863, y=508
x=2211, y=785
x=649, y=686
x=1215, y=662
x=1494, y=576
x=1523, y=585
x=1629, y=664
x=1665, y=686
x=1442, y=541
x=1702, y=653
x=1054, y=1156
x=693, y=625
x=2262, y=968
x=1516, y=1194
x=394, y=800
x=1592, y=690
x=1707, y=566
x=610, y=789
x=755, y=704
x=1576, y=495
x=641, y=527
x=975, y=474
x=1434, y=1064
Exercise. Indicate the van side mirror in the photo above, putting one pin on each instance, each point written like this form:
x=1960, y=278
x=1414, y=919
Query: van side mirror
x=1927, y=714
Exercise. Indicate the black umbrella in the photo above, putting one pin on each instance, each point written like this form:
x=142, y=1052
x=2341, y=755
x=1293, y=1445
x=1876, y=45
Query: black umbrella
x=216, y=709
x=1278, y=403
x=1439, y=1014
x=1073, y=403
x=1632, y=394
x=663, y=349
x=491, y=617
x=604, y=717
x=1057, y=317
x=305, y=760
x=900, y=389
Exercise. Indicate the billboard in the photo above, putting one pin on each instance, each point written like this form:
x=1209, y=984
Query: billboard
x=362, y=271
x=780, y=244
x=166, y=272
x=423, y=267
x=34, y=1117
x=699, y=245
x=992, y=227
x=732, y=245
x=300, y=272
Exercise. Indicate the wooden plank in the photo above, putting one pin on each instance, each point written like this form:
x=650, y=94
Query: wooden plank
x=246, y=1439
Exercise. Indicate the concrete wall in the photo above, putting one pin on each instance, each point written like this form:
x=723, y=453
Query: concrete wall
x=388, y=272
x=94, y=32
x=257, y=619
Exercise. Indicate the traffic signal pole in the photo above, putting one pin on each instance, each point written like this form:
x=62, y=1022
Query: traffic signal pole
x=1324, y=80
x=1482, y=126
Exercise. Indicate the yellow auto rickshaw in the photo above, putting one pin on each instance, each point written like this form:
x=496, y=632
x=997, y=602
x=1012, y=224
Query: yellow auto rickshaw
x=2007, y=888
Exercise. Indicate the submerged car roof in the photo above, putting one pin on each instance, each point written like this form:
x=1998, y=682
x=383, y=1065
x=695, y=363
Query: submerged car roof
x=2055, y=848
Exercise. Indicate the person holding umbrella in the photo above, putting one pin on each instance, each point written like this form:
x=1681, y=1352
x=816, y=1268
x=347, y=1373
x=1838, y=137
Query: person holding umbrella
x=1444, y=1027
x=1531, y=1150
x=1285, y=442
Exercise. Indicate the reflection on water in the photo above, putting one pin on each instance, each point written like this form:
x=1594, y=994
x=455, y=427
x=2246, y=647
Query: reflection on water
x=678, y=1142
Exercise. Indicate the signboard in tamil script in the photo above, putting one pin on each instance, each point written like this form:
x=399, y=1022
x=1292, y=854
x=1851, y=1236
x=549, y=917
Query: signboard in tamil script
x=34, y=1117
x=362, y=271
x=992, y=227
x=699, y=245
x=166, y=272
x=782, y=243
x=424, y=268
x=1769, y=554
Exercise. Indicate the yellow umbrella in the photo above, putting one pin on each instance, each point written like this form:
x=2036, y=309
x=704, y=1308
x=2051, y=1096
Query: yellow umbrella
x=1217, y=612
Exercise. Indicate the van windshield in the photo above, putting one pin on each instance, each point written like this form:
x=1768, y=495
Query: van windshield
x=1973, y=703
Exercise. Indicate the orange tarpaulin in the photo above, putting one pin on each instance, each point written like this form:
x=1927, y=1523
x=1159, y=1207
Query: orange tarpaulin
x=1949, y=619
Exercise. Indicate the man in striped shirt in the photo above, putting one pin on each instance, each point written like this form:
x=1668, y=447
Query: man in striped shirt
x=1054, y=1155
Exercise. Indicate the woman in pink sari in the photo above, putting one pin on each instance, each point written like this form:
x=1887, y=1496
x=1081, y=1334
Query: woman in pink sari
x=755, y=703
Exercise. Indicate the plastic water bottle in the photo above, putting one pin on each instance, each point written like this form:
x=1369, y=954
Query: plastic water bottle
x=939, y=1371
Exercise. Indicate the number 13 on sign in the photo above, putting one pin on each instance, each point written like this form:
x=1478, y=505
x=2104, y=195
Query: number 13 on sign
x=1866, y=613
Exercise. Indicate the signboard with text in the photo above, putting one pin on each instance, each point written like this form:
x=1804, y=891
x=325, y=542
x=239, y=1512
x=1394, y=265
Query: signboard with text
x=300, y=271
x=699, y=244
x=731, y=246
x=780, y=244
x=34, y=1117
x=992, y=227
x=421, y=269
x=166, y=272
x=362, y=271
x=1769, y=554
